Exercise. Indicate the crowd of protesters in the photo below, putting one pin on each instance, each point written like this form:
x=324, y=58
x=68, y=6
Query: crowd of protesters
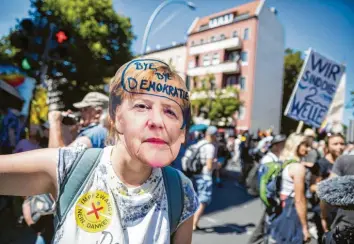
x=29, y=219
x=305, y=160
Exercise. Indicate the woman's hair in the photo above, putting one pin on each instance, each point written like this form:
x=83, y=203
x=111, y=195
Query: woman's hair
x=291, y=147
x=117, y=93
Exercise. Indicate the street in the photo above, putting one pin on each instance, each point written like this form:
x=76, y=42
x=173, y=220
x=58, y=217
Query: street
x=232, y=215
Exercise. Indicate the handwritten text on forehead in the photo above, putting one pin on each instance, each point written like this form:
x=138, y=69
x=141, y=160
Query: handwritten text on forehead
x=144, y=85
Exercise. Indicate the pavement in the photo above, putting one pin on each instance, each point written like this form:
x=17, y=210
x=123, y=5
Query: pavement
x=232, y=215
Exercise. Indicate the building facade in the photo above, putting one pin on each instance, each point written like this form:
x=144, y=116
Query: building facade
x=175, y=56
x=241, y=47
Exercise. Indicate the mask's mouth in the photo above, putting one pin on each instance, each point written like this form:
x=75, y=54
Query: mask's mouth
x=155, y=140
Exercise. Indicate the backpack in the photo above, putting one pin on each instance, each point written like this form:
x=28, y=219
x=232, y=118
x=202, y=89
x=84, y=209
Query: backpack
x=269, y=178
x=83, y=168
x=191, y=163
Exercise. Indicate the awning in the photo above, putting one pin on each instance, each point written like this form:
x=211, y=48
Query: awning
x=9, y=97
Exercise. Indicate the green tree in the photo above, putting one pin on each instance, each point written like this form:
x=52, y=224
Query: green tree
x=292, y=67
x=7, y=51
x=225, y=104
x=100, y=41
x=220, y=103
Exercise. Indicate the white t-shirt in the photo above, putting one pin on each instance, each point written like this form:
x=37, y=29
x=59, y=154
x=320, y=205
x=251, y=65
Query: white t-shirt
x=108, y=212
x=207, y=151
x=269, y=157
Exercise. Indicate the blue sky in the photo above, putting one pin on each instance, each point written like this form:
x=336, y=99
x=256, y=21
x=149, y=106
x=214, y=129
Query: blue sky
x=325, y=25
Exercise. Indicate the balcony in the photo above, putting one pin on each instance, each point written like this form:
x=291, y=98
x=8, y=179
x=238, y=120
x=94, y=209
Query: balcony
x=226, y=67
x=231, y=43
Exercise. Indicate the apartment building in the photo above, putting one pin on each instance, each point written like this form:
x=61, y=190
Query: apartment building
x=174, y=55
x=242, y=47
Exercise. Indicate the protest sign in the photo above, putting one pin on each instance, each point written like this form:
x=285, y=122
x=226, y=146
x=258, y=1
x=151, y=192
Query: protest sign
x=315, y=89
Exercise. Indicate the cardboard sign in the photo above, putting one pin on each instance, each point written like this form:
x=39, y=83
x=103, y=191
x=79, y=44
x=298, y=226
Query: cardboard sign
x=315, y=89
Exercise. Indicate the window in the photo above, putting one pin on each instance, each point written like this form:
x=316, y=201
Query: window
x=242, y=113
x=242, y=16
x=242, y=83
x=191, y=64
x=244, y=57
x=201, y=41
x=196, y=61
x=222, y=37
x=212, y=84
x=231, y=80
x=203, y=27
x=206, y=60
x=233, y=56
x=234, y=34
x=212, y=39
x=216, y=59
x=246, y=34
x=192, y=43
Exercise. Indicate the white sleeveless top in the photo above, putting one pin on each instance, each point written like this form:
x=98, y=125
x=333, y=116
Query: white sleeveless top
x=287, y=183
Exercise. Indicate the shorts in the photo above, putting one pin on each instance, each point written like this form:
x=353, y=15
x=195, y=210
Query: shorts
x=204, y=185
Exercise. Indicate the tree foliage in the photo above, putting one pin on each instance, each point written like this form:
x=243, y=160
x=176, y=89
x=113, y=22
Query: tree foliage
x=100, y=41
x=292, y=67
x=7, y=51
x=219, y=104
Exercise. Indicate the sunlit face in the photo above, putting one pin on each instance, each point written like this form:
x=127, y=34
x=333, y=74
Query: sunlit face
x=303, y=150
x=87, y=115
x=336, y=145
x=150, y=128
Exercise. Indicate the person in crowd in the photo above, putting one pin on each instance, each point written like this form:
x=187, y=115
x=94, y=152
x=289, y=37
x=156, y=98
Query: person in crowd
x=313, y=155
x=247, y=157
x=222, y=155
x=29, y=144
x=204, y=181
x=93, y=133
x=124, y=198
x=230, y=145
x=344, y=165
x=334, y=148
x=335, y=144
x=275, y=150
x=349, y=150
x=9, y=129
x=322, y=148
x=237, y=152
x=294, y=186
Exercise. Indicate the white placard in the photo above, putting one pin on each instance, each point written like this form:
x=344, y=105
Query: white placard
x=315, y=89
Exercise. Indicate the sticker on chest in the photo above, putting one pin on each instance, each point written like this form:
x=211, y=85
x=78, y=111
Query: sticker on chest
x=93, y=211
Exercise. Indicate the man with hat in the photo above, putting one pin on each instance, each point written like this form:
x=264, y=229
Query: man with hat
x=276, y=147
x=92, y=133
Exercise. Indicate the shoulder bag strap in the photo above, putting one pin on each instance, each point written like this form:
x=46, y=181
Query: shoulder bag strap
x=77, y=177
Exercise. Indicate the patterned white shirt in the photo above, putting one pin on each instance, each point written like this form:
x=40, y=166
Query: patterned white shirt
x=108, y=212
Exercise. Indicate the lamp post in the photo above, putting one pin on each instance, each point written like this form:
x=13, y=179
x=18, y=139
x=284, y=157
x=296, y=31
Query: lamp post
x=155, y=13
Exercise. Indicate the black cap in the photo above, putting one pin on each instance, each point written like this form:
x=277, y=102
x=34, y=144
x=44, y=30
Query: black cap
x=278, y=139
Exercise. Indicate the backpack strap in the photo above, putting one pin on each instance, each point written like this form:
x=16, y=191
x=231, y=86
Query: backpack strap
x=175, y=196
x=75, y=181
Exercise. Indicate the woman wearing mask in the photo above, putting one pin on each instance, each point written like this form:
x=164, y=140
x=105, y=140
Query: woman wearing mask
x=124, y=199
x=291, y=226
